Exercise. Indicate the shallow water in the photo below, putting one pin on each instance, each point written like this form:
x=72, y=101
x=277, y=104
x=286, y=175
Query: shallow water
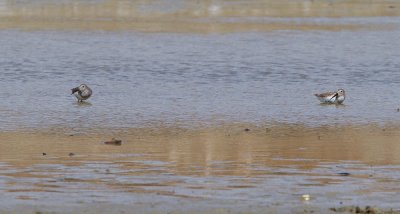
x=140, y=79
x=224, y=170
x=161, y=190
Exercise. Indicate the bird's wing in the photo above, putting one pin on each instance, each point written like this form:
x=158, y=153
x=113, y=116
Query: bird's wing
x=325, y=94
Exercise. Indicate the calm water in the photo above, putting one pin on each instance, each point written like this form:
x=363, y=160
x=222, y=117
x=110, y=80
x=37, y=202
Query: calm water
x=187, y=79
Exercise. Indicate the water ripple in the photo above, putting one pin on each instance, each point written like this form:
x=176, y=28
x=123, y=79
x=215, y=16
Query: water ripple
x=253, y=77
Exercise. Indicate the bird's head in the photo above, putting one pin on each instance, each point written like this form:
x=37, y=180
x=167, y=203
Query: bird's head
x=81, y=88
x=340, y=92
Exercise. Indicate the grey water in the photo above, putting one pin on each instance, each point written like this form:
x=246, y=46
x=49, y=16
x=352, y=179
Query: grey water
x=140, y=79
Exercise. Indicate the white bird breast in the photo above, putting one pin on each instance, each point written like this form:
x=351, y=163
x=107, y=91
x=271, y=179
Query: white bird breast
x=340, y=99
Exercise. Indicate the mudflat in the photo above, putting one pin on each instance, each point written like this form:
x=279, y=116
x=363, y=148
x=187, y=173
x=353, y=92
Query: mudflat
x=219, y=169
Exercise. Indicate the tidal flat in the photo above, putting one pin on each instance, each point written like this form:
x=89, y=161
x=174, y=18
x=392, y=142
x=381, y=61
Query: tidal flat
x=232, y=168
x=199, y=106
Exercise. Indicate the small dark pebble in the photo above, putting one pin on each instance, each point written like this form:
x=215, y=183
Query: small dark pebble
x=44, y=153
x=398, y=109
x=114, y=142
x=267, y=130
x=71, y=135
x=343, y=173
x=71, y=154
x=391, y=6
x=246, y=129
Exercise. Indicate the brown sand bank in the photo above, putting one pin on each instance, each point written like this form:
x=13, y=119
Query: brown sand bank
x=224, y=169
x=190, y=16
x=370, y=144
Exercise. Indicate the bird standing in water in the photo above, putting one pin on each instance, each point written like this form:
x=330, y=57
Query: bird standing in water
x=82, y=92
x=332, y=97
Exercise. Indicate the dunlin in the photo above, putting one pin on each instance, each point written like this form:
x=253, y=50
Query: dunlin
x=82, y=92
x=332, y=97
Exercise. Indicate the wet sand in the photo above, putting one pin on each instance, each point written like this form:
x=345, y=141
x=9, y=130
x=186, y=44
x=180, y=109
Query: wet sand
x=192, y=16
x=222, y=169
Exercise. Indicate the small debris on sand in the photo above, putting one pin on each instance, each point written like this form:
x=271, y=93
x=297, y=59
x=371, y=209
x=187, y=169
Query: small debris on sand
x=114, y=141
x=246, y=129
x=71, y=154
x=44, y=153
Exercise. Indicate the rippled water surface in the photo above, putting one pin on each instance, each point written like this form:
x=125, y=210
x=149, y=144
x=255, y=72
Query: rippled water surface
x=140, y=79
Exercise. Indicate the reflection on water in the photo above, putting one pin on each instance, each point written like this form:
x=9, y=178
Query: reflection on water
x=219, y=167
x=83, y=104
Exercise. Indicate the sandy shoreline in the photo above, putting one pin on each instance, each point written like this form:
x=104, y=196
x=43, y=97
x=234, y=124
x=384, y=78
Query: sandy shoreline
x=370, y=143
x=203, y=170
x=192, y=16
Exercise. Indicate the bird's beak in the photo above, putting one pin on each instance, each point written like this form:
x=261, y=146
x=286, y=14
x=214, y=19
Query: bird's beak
x=335, y=96
x=75, y=90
